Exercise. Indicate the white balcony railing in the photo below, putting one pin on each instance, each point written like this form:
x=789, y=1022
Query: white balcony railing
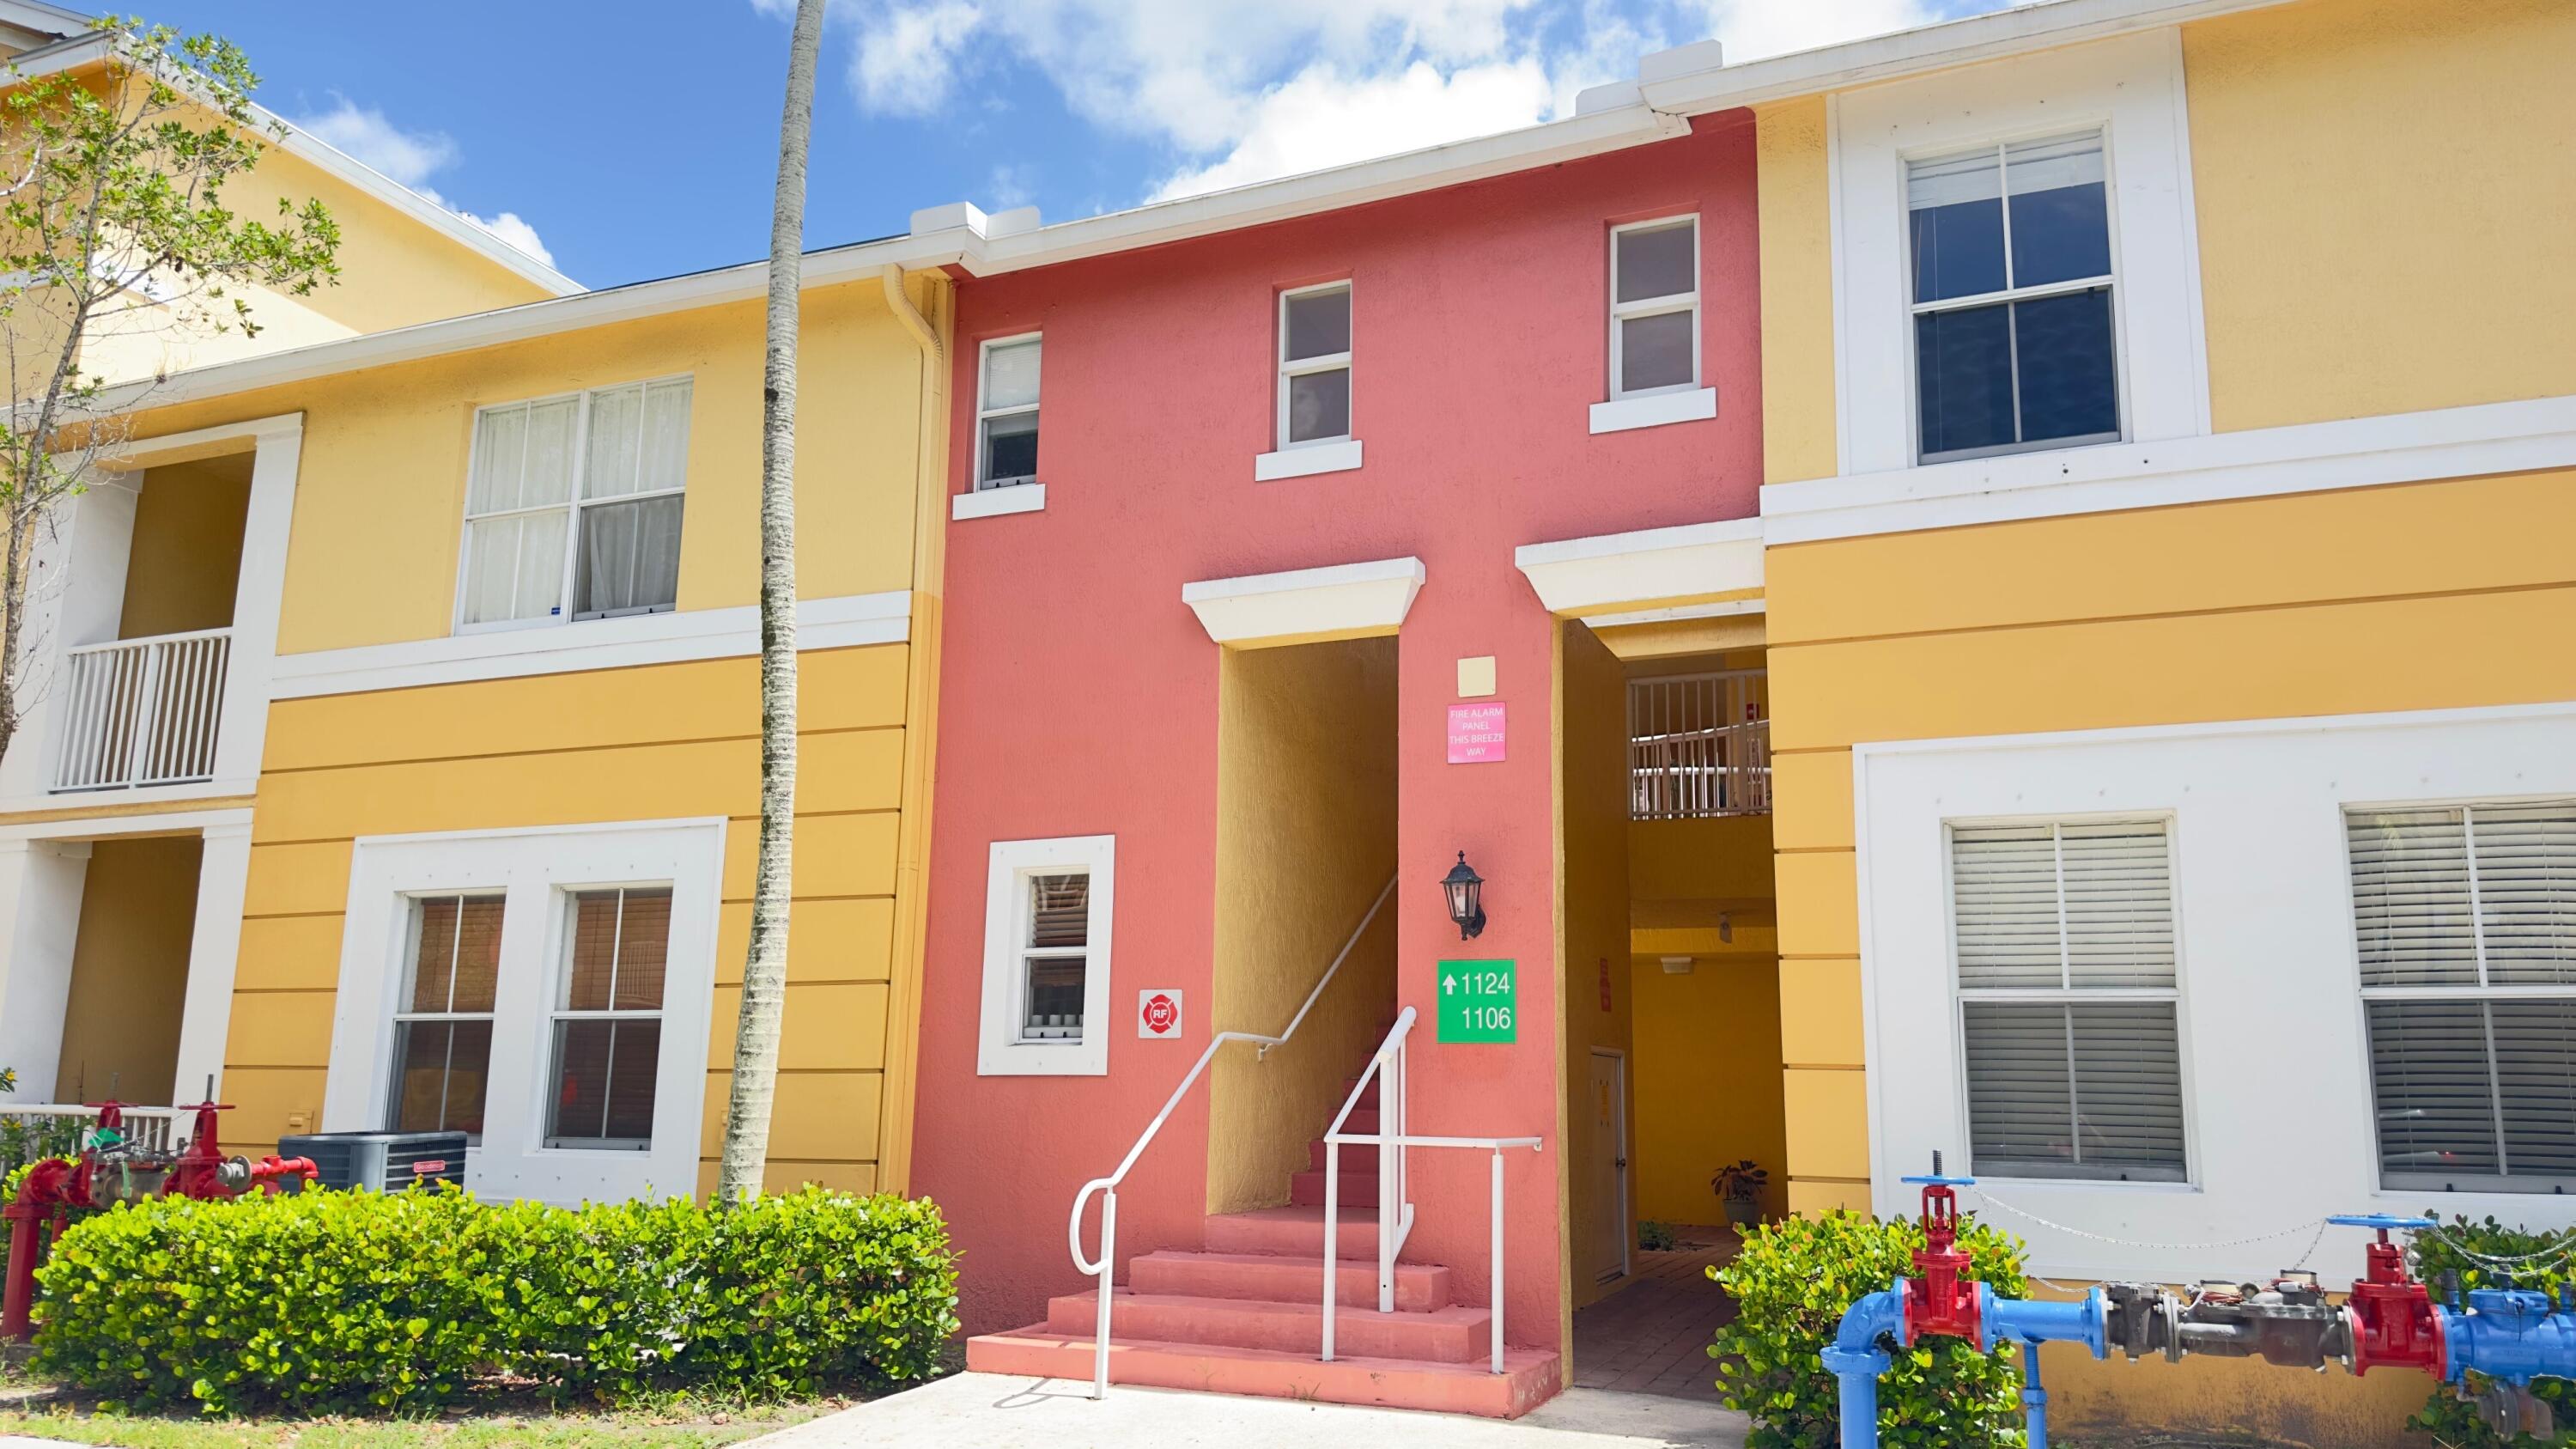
x=159, y=1129
x=141, y=711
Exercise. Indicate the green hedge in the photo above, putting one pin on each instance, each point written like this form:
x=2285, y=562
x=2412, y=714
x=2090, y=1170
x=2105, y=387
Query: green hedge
x=2444, y=1416
x=337, y=1301
x=1791, y=1282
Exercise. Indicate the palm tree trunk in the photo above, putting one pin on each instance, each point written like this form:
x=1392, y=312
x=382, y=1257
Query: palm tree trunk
x=764, y=971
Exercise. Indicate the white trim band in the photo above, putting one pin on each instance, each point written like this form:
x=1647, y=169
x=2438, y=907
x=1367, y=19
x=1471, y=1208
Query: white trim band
x=670, y=638
x=1306, y=461
x=995, y=502
x=1605, y=572
x=1654, y=410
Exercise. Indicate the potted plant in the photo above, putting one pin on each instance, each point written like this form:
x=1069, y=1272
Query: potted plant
x=1739, y=1186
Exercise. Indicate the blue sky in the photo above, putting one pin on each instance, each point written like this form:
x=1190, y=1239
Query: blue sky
x=638, y=139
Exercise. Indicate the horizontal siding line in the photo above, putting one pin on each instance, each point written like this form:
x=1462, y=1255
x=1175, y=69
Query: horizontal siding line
x=832, y=981
x=1846, y=1181
x=1823, y=1067
x=827, y=814
x=1778, y=751
x=324, y=699
x=270, y=1067
x=800, y=896
x=313, y=840
x=803, y=1161
x=1819, y=955
x=1814, y=849
x=752, y=738
x=290, y=915
x=2424, y=596
x=877, y=1071
x=286, y=990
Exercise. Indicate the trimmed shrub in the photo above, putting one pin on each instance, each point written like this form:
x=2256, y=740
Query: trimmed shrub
x=1791, y=1282
x=339, y=1301
x=2448, y=1419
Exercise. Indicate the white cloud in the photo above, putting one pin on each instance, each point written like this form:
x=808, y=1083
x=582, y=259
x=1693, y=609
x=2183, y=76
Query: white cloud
x=1009, y=186
x=1322, y=118
x=410, y=158
x=906, y=63
x=1242, y=91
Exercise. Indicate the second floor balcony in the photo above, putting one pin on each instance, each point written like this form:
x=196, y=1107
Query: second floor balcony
x=141, y=711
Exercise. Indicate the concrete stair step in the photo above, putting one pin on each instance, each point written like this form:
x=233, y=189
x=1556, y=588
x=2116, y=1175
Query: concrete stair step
x=1295, y=1232
x=1454, y=1334
x=1529, y=1377
x=1357, y=1189
x=1419, y=1287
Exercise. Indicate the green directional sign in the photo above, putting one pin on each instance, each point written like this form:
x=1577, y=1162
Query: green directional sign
x=1479, y=1001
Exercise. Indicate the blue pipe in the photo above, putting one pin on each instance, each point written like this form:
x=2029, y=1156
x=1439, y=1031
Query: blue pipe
x=2508, y=1334
x=1856, y=1361
x=2034, y=1399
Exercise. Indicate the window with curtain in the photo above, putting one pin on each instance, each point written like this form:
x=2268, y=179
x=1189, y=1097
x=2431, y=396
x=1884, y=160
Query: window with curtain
x=443, y=1018
x=1006, y=412
x=574, y=504
x=2465, y=921
x=2067, y=999
x=2014, y=336
x=606, y=1036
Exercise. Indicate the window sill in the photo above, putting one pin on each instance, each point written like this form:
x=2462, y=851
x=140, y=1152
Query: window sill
x=993, y=502
x=1305, y=461
x=1654, y=410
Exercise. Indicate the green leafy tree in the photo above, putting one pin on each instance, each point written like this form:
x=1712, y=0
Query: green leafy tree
x=113, y=222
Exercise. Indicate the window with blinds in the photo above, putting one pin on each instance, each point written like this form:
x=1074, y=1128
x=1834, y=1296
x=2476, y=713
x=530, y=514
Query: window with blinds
x=1057, y=957
x=2067, y=1004
x=2465, y=920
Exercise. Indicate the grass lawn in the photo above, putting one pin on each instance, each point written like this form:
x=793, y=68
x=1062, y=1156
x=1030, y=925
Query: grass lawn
x=678, y=1426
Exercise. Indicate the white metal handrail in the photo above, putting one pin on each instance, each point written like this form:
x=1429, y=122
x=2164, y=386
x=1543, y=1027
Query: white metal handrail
x=1107, y=1187
x=142, y=711
x=1390, y=1068
x=156, y=1129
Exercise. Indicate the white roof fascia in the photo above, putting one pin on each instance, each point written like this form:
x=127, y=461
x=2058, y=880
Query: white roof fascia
x=73, y=54
x=535, y=319
x=2016, y=31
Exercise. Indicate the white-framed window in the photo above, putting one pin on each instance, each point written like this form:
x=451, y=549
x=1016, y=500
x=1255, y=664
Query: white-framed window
x=1046, y=957
x=2064, y=946
x=2016, y=340
x=605, y=1041
x=2464, y=917
x=1654, y=307
x=1315, y=365
x=442, y=1050
x=1006, y=411
x=573, y=506
x=595, y=946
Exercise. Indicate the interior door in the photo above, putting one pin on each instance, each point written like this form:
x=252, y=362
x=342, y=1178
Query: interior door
x=1607, y=1254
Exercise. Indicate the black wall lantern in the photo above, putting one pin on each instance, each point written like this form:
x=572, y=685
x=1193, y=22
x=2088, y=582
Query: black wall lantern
x=1466, y=891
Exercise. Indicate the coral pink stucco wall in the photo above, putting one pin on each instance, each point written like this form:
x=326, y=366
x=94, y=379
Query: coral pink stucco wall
x=1079, y=695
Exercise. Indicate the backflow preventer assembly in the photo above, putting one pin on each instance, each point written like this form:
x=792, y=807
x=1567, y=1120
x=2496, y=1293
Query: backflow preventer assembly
x=2389, y=1320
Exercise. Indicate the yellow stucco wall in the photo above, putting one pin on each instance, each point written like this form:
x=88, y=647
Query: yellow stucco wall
x=1707, y=1082
x=1306, y=799
x=1592, y=939
x=130, y=970
x=1798, y=433
x=2383, y=191
x=663, y=742
x=185, y=561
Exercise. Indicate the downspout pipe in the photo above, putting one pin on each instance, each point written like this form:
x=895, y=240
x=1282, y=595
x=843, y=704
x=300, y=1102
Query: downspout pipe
x=1856, y=1361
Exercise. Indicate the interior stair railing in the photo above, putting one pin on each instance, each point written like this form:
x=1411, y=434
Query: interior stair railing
x=1107, y=1187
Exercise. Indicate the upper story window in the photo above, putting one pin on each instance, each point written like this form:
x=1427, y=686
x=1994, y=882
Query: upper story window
x=1654, y=306
x=2068, y=999
x=2465, y=918
x=573, y=506
x=1006, y=412
x=2014, y=342
x=1315, y=365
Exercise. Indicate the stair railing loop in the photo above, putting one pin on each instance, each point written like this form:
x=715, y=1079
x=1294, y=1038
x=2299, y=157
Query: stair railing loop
x=1104, y=1267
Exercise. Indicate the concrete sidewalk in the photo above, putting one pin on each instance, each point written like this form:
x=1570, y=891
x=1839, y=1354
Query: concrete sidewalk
x=997, y=1411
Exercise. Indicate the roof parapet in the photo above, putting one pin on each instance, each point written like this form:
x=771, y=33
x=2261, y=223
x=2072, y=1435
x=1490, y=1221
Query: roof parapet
x=975, y=219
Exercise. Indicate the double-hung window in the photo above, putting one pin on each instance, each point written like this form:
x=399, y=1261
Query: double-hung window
x=2465, y=919
x=2064, y=936
x=1654, y=306
x=606, y=1035
x=574, y=503
x=1315, y=365
x=1006, y=412
x=2014, y=334
x=443, y=1018
x=1046, y=957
